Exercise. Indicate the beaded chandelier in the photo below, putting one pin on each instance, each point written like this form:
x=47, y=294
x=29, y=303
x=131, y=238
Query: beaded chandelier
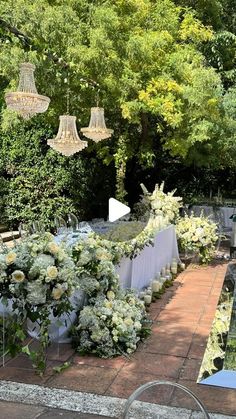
x=97, y=129
x=26, y=100
x=67, y=141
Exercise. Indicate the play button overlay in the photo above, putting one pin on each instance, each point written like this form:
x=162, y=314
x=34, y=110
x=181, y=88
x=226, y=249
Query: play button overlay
x=119, y=228
x=117, y=210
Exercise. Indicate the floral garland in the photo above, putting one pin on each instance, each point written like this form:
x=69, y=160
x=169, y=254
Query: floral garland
x=38, y=276
x=197, y=235
x=114, y=320
x=126, y=247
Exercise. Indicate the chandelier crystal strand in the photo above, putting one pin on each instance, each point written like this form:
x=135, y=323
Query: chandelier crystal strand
x=97, y=129
x=67, y=141
x=26, y=100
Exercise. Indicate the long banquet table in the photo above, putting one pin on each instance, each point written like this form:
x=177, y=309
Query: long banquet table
x=138, y=272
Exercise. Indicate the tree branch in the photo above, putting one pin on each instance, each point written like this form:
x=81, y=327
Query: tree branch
x=29, y=43
x=23, y=38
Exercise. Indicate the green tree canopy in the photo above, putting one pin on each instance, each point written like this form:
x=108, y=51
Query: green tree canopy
x=144, y=57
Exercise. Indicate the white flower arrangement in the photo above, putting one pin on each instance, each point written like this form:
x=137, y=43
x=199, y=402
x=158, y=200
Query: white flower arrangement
x=38, y=277
x=112, y=321
x=161, y=204
x=37, y=267
x=95, y=260
x=197, y=235
x=112, y=326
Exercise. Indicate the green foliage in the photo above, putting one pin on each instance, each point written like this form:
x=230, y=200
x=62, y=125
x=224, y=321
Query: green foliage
x=122, y=49
x=11, y=336
x=121, y=157
x=208, y=12
x=39, y=183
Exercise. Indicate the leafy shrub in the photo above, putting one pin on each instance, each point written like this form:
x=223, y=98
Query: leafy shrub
x=38, y=183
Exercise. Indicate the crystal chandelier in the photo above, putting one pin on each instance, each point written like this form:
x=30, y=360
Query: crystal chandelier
x=97, y=129
x=67, y=141
x=26, y=100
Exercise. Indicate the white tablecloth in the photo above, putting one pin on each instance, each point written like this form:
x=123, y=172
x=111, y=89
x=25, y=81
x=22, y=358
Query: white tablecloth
x=138, y=272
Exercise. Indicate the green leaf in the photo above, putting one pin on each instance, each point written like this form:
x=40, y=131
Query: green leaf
x=25, y=349
x=62, y=367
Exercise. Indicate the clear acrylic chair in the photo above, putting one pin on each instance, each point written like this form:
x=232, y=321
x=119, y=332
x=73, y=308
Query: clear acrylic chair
x=38, y=227
x=205, y=210
x=25, y=229
x=60, y=225
x=73, y=221
x=223, y=231
x=134, y=396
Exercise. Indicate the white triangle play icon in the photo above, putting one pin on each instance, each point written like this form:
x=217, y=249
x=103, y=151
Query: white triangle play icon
x=117, y=210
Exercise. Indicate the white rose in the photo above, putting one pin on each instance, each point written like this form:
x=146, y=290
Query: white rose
x=18, y=276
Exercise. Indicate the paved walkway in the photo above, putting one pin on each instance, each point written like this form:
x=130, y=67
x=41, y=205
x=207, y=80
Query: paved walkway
x=10, y=410
x=181, y=324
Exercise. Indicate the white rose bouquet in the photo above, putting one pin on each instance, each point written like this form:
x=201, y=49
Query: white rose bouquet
x=197, y=235
x=37, y=271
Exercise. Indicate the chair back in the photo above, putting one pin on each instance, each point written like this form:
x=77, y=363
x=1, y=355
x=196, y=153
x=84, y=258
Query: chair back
x=150, y=384
x=73, y=221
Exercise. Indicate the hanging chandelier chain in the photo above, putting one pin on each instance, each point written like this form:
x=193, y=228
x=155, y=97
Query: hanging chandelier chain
x=97, y=97
x=68, y=101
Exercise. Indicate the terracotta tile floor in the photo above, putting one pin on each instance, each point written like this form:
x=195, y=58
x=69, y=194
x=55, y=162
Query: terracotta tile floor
x=182, y=320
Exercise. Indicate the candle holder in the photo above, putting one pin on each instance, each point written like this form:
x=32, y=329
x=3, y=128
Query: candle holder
x=141, y=295
x=168, y=281
x=182, y=266
x=147, y=300
x=155, y=285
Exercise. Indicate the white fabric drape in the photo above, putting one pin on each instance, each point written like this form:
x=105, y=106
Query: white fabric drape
x=138, y=272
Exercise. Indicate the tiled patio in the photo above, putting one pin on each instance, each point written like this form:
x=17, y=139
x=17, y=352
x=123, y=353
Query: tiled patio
x=182, y=320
